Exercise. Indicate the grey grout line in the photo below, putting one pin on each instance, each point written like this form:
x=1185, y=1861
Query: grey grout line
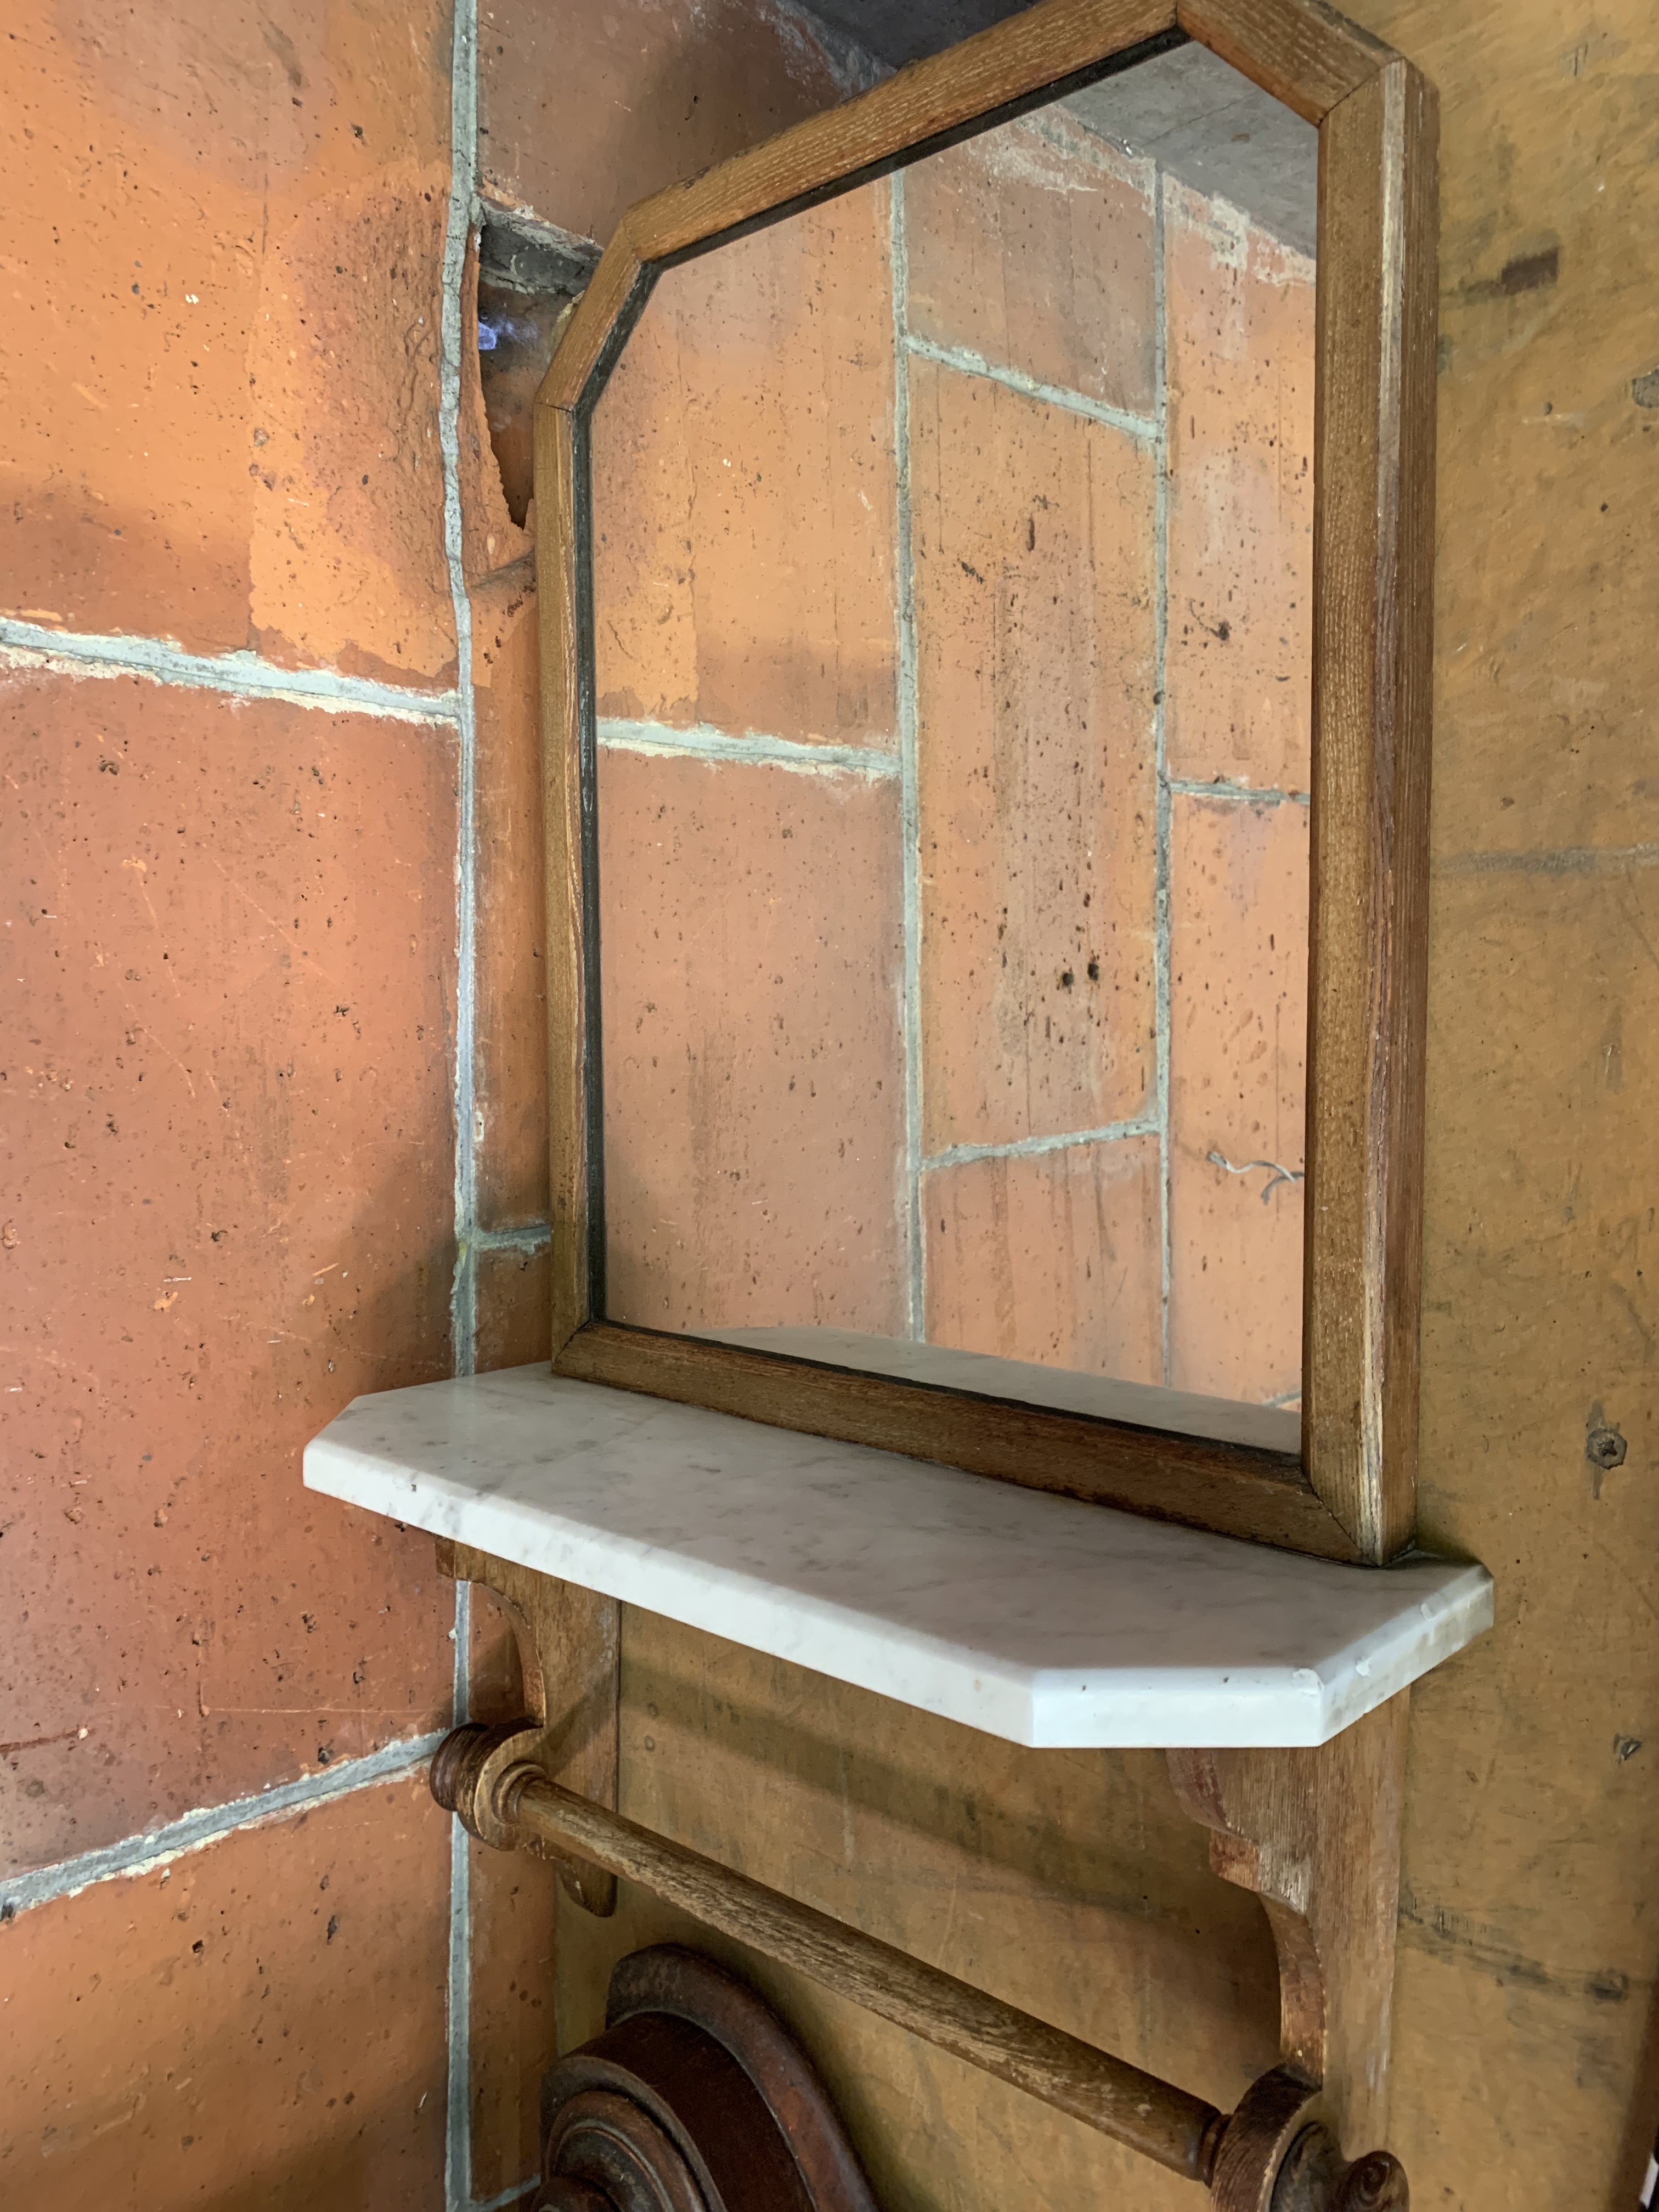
x=966, y=362
x=464, y=130
x=193, y=1832
x=909, y=801
x=703, y=742
x=463, y=109
x=1237, y=794
x=513, y=2196
x=1161, y=765
x=1029, y=1148
x=237, y=675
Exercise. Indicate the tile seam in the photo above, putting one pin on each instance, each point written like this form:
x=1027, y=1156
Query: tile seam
x=1241, y=794
x=1026, y=1148
x=704, y=742
x=505, y=2197
x=235, y=675
x=194, y=1831
x=966, y=362
x=530, y=1237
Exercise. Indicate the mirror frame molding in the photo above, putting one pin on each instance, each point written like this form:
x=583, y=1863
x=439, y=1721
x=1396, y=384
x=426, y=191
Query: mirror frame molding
x=1351, y=1494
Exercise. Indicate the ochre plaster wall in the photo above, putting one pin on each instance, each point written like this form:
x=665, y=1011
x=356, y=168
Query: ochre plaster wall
x=1527, y=2067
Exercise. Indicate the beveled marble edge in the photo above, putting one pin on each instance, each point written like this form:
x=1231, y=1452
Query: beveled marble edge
x=1116, y=1706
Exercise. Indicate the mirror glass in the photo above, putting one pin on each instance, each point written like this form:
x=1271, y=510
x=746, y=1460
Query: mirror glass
x=952, y=568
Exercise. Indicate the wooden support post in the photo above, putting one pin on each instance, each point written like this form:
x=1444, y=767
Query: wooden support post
x=569, y=1648
x=1315, y=1834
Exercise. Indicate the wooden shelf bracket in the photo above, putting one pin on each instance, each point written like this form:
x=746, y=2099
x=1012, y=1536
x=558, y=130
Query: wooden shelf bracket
x=569, y=1652
x=1315, y=1834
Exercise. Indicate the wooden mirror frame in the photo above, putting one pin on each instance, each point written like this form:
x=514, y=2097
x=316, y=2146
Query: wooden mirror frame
x=1351, y=1495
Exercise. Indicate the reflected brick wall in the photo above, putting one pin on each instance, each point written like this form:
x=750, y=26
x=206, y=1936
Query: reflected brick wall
x=982, y=500
x=272, y=1057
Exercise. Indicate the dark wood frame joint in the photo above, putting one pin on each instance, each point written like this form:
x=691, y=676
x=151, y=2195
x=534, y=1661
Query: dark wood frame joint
x=1315, y=1834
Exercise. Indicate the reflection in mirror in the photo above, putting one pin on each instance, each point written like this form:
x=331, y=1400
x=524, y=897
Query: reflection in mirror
x=952, y=558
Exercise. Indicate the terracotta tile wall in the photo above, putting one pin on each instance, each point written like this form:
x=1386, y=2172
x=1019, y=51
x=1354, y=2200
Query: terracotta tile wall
x=272, y=1059
x=260, y=2022
x=997, y=478
x=744, y=536
x=776, y=1112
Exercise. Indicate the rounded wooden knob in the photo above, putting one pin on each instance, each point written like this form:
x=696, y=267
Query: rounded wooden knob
x=456, y=1763
x=1277, y=2155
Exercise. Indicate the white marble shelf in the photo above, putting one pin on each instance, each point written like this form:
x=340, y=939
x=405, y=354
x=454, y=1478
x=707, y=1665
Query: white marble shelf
x=1038, y=1618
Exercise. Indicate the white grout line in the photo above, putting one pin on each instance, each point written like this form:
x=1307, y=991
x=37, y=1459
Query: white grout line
x=1161, y=765
x=239, y=675
x=909, y=801
x=703, y=742
x=194, y=1831
x=1027, y=1148
x=513, y=2196
x=966, y=362
x=533, y=1237
x=464, y=130
x=1242, y=794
